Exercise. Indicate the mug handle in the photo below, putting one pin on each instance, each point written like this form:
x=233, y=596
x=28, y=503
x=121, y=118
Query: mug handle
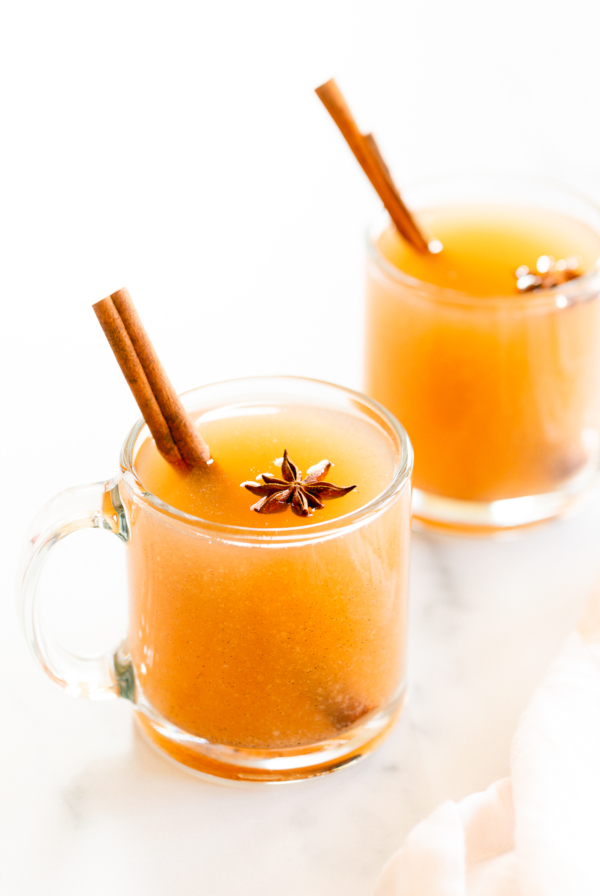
x=96, y=506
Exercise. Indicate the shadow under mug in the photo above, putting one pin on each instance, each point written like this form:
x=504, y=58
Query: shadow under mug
x=500, y=396
x=223, y=681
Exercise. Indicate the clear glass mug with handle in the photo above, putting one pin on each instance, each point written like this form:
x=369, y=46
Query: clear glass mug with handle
x=500, y=394
x=214, y=684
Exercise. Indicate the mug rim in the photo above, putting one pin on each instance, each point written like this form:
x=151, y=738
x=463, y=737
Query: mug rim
x=277, y=535
x=579, y=289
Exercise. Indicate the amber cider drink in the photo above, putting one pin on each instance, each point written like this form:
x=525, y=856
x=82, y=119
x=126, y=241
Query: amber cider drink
x=270, y=646
x=499, y=390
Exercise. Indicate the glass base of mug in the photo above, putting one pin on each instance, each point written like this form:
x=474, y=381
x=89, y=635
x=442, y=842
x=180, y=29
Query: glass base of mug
x=496, y=517
x=239, y=766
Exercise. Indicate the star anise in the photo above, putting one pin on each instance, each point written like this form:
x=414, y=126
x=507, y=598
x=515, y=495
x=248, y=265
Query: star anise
x=548, y=273
x=302, y=495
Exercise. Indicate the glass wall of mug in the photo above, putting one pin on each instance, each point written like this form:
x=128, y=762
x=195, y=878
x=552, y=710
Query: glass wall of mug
x=251, y=654
x=500, y=395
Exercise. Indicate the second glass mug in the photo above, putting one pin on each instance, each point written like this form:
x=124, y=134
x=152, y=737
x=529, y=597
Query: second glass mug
x=342, y=661
x=500, y=396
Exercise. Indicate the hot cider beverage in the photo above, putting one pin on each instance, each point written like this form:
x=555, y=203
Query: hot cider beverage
x=271, y=630
x=267, y=527
x=489, y=350
x=483, y=335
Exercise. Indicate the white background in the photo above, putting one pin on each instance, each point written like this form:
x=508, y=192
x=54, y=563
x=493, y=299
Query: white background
x=178, y=149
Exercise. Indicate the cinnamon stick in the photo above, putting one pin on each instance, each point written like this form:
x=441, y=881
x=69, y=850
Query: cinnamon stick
x=176, y=437
x=368, y=156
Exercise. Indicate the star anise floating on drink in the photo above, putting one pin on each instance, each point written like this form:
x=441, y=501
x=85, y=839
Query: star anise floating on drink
x=548, y=273
x=302, y=495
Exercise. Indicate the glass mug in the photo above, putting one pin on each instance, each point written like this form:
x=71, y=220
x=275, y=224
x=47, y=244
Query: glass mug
x=204, y=662
x=500, y=396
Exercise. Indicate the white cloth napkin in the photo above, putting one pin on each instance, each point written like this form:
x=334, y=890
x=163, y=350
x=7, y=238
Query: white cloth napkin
x=536, y=833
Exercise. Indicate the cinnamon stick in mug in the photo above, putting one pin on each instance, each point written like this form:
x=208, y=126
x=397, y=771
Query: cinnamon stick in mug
x=370, y=159
x=176, y=437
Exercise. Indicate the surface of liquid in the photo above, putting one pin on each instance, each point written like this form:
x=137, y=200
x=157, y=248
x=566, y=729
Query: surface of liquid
x=247, y=441
x=484, y=244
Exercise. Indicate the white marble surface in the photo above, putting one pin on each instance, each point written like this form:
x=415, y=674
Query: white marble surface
x=88, y=807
